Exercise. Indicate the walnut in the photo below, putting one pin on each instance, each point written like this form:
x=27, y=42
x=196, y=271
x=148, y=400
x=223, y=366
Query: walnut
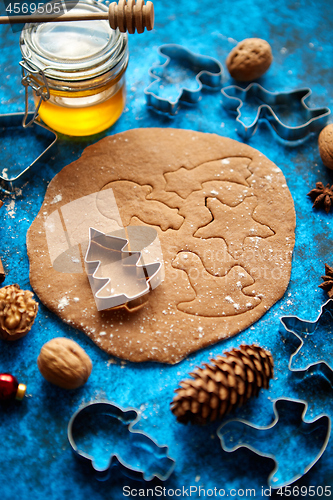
x=325, y=143
x=17, y=312
x=250, y=59
x=64, y=363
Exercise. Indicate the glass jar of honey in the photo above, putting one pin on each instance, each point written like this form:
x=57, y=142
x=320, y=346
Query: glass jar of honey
x=76, y=70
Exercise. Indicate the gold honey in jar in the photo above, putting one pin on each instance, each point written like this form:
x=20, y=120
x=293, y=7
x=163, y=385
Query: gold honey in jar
x=80, y=67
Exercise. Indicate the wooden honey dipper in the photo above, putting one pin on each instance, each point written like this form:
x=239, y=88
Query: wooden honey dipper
x=126, y=15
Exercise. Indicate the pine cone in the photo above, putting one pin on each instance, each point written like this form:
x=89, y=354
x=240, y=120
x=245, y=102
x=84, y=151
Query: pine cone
x=217, y=388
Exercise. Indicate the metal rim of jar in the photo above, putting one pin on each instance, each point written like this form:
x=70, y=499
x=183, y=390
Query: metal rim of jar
x=101, y=71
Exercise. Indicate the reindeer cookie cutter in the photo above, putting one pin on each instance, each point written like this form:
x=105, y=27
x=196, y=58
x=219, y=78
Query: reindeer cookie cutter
x=137, y=457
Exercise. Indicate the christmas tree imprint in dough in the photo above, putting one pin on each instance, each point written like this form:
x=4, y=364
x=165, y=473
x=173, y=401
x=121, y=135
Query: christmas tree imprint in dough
x=215, y=296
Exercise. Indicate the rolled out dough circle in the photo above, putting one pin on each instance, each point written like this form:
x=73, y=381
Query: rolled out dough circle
x=226, y=224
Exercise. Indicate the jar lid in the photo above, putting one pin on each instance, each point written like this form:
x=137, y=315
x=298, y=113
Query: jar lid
x=76, y=50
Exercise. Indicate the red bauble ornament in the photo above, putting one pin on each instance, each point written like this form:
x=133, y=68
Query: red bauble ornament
x=10, y=388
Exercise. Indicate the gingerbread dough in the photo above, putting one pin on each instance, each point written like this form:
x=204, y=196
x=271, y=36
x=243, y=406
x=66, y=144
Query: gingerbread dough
x=225, y=220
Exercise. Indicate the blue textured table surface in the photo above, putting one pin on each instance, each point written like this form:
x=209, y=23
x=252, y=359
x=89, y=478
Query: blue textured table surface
x=36, y=460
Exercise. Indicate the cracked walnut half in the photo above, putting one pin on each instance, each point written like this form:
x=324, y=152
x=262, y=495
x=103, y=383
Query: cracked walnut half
x=18, y=311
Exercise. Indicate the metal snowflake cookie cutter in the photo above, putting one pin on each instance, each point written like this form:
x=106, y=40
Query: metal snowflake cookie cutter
x=234, y=97
x=132, y=451
x=29, y=145
x=208, y=74
x=295, y=444
x=118, y=276
x=316, y=339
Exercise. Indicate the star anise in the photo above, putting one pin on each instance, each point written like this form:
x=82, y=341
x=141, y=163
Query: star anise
x=328, y=281
x=322, y=196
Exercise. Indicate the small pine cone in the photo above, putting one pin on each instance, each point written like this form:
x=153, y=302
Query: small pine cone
x=228, y=382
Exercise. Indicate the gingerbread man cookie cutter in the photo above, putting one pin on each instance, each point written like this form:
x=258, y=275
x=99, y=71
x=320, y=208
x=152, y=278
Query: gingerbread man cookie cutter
x=234, y=97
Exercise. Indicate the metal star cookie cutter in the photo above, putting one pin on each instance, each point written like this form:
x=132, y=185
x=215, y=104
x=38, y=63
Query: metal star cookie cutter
x=11, y=169
x=234, y=97
x=208, y=74
x=316, y=339
x=289, y=440
x=133, y=452
x=117, y=276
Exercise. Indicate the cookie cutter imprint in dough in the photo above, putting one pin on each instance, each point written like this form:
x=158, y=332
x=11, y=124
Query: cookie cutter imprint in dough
x=135, y=453
x=70, y=237
x=99, y=210
x=289, y=440
x=208, y=73
x=159, y=199
x=234, y=97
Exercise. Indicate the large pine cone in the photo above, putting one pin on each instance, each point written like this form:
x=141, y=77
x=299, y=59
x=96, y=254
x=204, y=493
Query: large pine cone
x=217, y=388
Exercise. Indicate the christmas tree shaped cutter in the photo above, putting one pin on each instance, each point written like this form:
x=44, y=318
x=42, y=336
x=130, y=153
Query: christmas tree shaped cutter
x=101, y=435
x=117, y=276
x=293, y=442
